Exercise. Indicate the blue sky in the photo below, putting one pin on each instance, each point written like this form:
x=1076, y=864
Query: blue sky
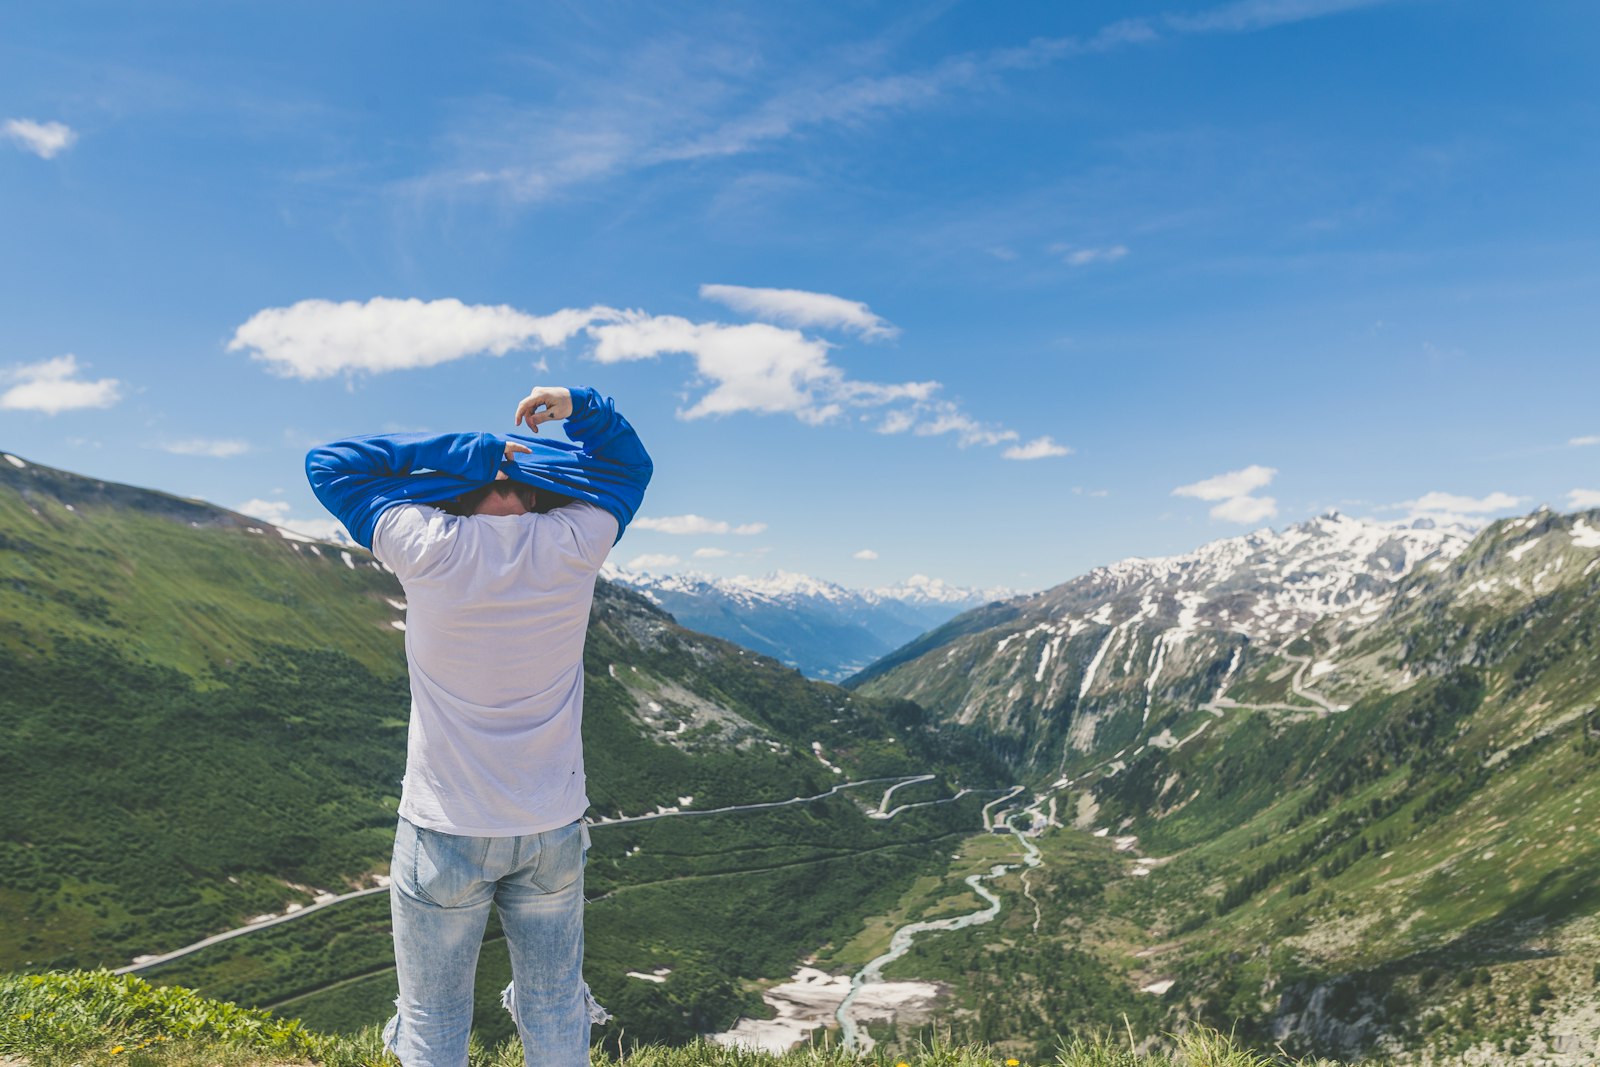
x=992, y=293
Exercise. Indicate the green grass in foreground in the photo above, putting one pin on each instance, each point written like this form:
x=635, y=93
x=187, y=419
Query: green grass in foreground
x=97, y=1019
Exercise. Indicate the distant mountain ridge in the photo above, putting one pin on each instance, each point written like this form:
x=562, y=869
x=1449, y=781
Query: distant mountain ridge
x=826, y=630
x=1051, y=668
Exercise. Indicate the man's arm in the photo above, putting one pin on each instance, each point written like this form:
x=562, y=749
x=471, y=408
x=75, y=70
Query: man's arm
x=606, y=464
x=357, y=479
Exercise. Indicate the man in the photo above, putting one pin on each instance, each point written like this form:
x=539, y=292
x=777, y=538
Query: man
x=498, y=597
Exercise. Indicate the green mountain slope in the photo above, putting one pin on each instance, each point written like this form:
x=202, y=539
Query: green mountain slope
x=1370, y=835
x=202, y=722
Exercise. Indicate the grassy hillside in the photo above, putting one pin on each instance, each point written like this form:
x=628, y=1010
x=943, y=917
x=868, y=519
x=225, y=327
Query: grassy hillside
x=203, y=722
x=96, y=1019
x=1413, y=875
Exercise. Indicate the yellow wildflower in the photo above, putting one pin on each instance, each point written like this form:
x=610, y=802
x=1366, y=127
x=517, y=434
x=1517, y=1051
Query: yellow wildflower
x=1013, y=1063
x=116, y=1049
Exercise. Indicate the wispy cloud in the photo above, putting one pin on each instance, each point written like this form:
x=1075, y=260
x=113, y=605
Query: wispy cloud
x=690, y=525
x=1233, y=484
x=865, y=553
x=1432, y=503
x=1082, y=257
x=934, y=418
x=319, y=338
x=1579, y=499
x=216, y=448
x=1246, y=509
x=710, y=553
x=1457, y=509
x=1579, y=442
x=668, y=103
x=1247, y=16
x=276, y=512
x=52, y=386
x=1038, y=448
x=1233, y=493
x=44, y=139
x=653, y=561
x=797, y=307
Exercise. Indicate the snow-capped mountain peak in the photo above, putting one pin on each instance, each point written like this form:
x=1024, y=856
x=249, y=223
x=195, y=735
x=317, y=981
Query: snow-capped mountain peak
x=826, y=629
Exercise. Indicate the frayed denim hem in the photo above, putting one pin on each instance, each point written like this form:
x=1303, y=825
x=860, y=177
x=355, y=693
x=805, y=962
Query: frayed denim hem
x=391, y=1031
x=598, y=1016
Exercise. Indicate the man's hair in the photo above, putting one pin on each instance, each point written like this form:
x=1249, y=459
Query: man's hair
x=539, y=500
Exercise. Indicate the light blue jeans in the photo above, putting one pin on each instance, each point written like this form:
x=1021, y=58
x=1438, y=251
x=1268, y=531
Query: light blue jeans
x=441, y=886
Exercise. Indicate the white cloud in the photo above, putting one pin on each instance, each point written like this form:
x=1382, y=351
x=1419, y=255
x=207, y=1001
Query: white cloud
x=897, y=422
x=865, y=553
x=44, y=139
x=273, y=511
x=53, y=386
x=748, y=367
x=1578, y=442
x=1081, y=257
x=696, y=524
x=1583, y=498
x=319, y=338
x=751, y=367
x=797, y=307
x=935, y=417
x=651, y=561
x=1245, y=509
x=1453, y=504
x=1038, y=448
x=276, y=512
x=710, y=553
x=1234, y=483
x=1233, y=490
x=216, y=448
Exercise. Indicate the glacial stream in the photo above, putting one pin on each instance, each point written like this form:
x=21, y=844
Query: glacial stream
x=851, y=1037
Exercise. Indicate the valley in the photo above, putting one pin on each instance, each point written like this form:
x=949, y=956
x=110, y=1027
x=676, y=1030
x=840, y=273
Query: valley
x=1326, y=788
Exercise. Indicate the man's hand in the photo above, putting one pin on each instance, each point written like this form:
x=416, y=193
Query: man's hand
x=512, y=448
x=547, y=403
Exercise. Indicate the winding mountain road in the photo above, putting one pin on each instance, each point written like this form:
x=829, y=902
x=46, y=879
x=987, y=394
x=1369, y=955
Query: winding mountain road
x=144, y=963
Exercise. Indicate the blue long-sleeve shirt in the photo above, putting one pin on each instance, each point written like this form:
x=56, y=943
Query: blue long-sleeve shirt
x=357, y=479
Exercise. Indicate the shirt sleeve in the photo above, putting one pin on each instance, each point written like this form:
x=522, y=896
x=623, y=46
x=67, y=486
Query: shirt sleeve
x=359, y=478
x=594, y=529
x=414, y=540
x=605, y=463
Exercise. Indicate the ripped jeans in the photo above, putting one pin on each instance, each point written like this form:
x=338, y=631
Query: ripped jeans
x=439, y=895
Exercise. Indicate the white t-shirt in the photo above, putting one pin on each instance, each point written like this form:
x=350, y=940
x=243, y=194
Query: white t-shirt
x=497, y=611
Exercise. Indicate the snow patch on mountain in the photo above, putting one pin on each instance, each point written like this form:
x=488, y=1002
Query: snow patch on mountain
x=1266, y=585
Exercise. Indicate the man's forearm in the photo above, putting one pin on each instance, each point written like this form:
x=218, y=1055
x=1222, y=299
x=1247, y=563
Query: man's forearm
x=357, y=478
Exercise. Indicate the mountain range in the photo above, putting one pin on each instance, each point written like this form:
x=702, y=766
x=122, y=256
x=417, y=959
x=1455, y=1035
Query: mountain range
x=825, y=630
x=1351, y=767
x=1082, y=665
x=1329, y=787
